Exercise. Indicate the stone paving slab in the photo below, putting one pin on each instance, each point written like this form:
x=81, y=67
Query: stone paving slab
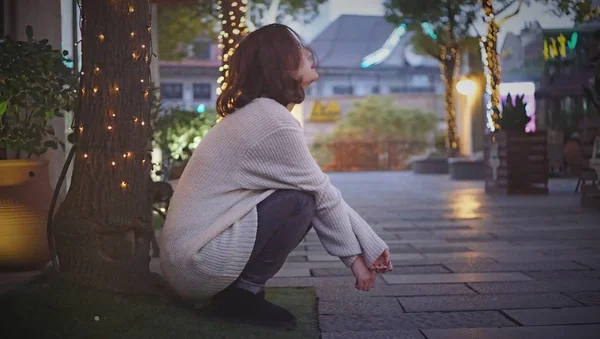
x=434, y=227
x=370, y=306
x=454, y=278
x=562, y=275
x=408, y=321
x=562, y=316
x=397, y=334
x=516, y=266
x=442, y=249
x=296, y=258
x=536, y=286
x=534, y=332
x=293, y=272
x=591, y=263
x=485, y=302
x=313, y=264
x=587, y=298
x=449, y=257
x=416, y=269
x=328, y=288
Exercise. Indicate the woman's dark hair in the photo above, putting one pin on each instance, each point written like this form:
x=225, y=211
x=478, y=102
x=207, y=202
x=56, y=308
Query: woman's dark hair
x=264, y=65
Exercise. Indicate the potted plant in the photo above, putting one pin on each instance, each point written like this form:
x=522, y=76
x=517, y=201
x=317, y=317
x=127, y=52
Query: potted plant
x=35, y=85
x=177, y=133
x=516, y=160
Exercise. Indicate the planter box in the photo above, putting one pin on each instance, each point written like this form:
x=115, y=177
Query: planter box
x=431, y=165
x=466, y=169
x=516, y=162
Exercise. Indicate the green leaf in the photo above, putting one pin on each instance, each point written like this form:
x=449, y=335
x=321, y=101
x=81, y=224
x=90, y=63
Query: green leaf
x=3, y=107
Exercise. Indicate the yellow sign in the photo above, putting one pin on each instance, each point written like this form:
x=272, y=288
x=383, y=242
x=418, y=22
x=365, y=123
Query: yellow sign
x=559, y=47
x=325, y=113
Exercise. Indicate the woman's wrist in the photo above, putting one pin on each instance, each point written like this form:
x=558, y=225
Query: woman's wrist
x=348, y=261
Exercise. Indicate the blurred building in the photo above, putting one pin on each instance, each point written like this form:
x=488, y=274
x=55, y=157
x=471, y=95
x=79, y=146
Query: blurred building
x=358, y=56
x=521, y=58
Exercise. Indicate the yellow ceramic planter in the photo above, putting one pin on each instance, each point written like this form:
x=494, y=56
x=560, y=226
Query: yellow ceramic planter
x=25, y=194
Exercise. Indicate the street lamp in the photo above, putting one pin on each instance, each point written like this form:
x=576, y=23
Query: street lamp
x=466, y=87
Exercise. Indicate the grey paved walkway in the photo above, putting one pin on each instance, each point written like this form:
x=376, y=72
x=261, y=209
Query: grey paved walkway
x=467, y=265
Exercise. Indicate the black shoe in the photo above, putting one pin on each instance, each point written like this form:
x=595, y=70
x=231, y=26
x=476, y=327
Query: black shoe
x=240, y=305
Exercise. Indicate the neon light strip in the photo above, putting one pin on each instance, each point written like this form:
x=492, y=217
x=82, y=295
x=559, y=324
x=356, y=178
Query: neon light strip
x=384, y=52
x=390, y=44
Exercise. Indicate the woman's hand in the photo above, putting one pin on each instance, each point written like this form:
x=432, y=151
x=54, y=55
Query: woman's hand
x=365, y=278
x=383, y=264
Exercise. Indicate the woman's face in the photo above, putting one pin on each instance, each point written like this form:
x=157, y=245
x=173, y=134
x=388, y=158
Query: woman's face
x=308, y=69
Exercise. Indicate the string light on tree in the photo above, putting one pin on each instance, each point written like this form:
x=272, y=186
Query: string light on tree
x=450, y=63
x=141, y=51
x=233, y=27
x=492, y=66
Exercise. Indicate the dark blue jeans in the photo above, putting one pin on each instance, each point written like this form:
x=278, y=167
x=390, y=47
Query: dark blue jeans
x=284, y=218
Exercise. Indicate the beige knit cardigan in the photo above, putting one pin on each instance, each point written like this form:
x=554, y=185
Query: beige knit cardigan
x=211, y=225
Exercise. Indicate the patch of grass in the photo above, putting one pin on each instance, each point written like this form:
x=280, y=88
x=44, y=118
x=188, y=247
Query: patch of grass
x=54, y=309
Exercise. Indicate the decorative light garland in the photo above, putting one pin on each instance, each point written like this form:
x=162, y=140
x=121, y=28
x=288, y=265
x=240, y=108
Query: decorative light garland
x=141, y=55
x=491, y=63
x=452, y=139
x=232, y=14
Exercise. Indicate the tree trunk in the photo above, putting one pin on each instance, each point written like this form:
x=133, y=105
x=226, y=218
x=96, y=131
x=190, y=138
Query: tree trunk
x=450, y=60
x=102, y=230
x=493, y=75
x=233, y=28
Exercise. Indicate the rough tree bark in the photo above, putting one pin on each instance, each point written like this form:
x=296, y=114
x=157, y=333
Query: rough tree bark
x=102, y=230
x=450, y=59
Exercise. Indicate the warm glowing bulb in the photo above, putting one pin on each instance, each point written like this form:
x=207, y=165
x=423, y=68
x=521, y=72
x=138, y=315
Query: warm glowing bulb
x=231, y=13
x=114, y=115
x=466, y=87
x=134, y=55
x=149, y=28
x=236, y=31
x=135, y=119
x=132, y=34
x=85, y=155
x=101, y=37
x=80, y=128
x=141, y=80
x=97, y=69
x=116, y=88
x=146, y=58
x=123, y=184
x=131, y=9
x=109, y=127
x=143, y=46
x=234, y=4
x=95, y=89
x=124, y=155
x=129, y=154
x=143, y=123
x=113, y=163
